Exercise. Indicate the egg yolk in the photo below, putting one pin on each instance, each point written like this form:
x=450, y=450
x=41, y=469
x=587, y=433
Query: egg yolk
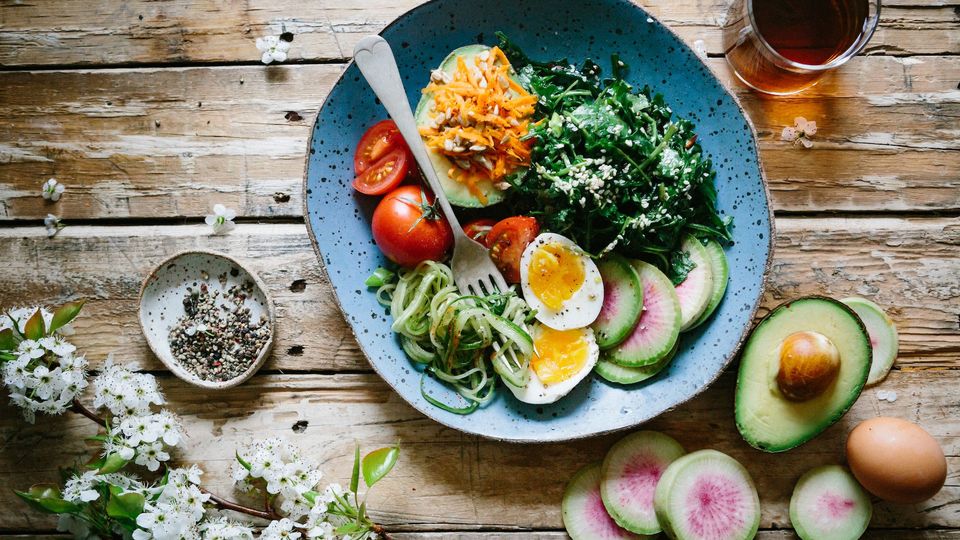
x=555, y=274
x=559, y=354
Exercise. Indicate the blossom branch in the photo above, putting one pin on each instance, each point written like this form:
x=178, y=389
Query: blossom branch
x=79, y=408
x=268, y=513
x=224, y=504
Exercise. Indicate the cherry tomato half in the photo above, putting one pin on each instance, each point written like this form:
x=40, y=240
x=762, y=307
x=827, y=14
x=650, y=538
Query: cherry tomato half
x=507, y=240
x=379, y=139
x=478, y=229
x=408, y=230
x=385, y=174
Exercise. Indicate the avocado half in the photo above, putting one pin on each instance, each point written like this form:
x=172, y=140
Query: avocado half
x=457, y=193
x=769, y=421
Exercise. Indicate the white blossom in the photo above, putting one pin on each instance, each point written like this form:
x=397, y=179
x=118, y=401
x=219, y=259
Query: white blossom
x=280, y=529
x=52, y=190
x=124, y=392
x=221, y=528
x=81, y=487
x=278, y=467
x=45, y=376
x=273, y=49
x=173, y=510
x=222, y=219
x=800, y=132
x=52, y=224
x=145, y=439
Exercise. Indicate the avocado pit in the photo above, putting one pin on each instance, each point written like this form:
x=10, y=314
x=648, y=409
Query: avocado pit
x=809, y=363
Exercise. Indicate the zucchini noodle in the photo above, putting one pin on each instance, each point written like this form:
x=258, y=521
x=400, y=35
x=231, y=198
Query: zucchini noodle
x=453, y=335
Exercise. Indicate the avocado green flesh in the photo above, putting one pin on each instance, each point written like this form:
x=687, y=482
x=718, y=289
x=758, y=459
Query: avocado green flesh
x=457, y=193
x=765, y=418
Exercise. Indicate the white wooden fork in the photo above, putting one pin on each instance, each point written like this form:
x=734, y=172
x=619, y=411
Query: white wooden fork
x=473, y=271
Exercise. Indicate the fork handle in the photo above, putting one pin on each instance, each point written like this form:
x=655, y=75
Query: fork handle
x=374, y=57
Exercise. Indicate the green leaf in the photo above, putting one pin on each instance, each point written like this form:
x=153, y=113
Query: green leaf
x=378, y=464
x=355, y=478
x=8, y=341
x=124, y=506
x=46, y=498
x=311, y=497
x=65, y=314
x=35, y=327
x=349, y=528
x=112, y=464
x=240, y=460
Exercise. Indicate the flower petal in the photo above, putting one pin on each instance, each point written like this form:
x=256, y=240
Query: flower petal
x=789, y=134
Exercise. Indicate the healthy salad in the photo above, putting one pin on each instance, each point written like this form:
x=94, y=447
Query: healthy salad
x=594, y=200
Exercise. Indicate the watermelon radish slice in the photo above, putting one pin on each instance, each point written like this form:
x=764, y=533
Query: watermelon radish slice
x=695, y=291
x=629, y=477
x=583, y=513
x=829, y=504
x=616, y=373
x=622, y=302
x=707, y=495
x=883, y=337
x=659, y=326
x=721, y=274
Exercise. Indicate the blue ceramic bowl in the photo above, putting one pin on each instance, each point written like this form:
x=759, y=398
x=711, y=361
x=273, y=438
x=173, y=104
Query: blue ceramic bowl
x=338, y=218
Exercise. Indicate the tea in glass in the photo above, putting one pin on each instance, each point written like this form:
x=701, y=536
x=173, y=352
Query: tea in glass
x=784, y=46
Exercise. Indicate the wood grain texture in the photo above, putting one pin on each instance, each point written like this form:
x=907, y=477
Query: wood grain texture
x=890, y=534
x=446, y=480
x=169, y=143
x=103, y=32
x=907, y=265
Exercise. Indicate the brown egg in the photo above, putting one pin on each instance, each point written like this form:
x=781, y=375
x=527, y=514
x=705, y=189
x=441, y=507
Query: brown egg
x=896, y=460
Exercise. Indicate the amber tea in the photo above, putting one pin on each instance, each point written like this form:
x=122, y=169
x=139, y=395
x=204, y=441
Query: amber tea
x=784, y=46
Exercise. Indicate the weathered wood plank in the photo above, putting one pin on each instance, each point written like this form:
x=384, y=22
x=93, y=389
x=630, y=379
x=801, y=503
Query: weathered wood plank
x=142, y=31
x=907, y=265
x=172, y=142
x=875, y=534
x=448, y=481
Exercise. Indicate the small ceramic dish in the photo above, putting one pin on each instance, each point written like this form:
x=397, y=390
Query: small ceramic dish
x=161, y=306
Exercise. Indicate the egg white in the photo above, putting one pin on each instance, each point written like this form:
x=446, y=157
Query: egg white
x=579, y=310
x=535, y=392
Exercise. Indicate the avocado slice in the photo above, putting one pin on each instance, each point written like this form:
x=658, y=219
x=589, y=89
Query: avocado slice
x=457, y=193
x=767, y=419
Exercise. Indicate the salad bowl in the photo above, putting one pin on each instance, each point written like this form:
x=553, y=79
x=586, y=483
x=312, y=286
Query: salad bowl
x=338, y=218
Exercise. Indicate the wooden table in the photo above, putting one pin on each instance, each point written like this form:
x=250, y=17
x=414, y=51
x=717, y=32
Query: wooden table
x=152, y=111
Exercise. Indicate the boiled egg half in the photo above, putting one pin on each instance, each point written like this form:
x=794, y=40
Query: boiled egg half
x=560, y=360
x=560, y=282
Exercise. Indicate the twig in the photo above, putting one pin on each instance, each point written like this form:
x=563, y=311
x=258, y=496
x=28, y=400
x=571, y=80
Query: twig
x=224, y=504
x=78, y=408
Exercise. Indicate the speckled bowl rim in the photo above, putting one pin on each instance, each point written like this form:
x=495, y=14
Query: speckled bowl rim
x=175, y=366
x=727, y=361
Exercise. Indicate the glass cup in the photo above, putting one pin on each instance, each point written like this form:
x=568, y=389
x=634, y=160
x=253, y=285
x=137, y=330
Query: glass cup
x=784, y=46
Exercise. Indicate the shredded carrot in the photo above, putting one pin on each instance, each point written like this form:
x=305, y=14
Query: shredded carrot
x=480, y=116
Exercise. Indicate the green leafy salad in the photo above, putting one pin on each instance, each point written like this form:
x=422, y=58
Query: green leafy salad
x=612, y=167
